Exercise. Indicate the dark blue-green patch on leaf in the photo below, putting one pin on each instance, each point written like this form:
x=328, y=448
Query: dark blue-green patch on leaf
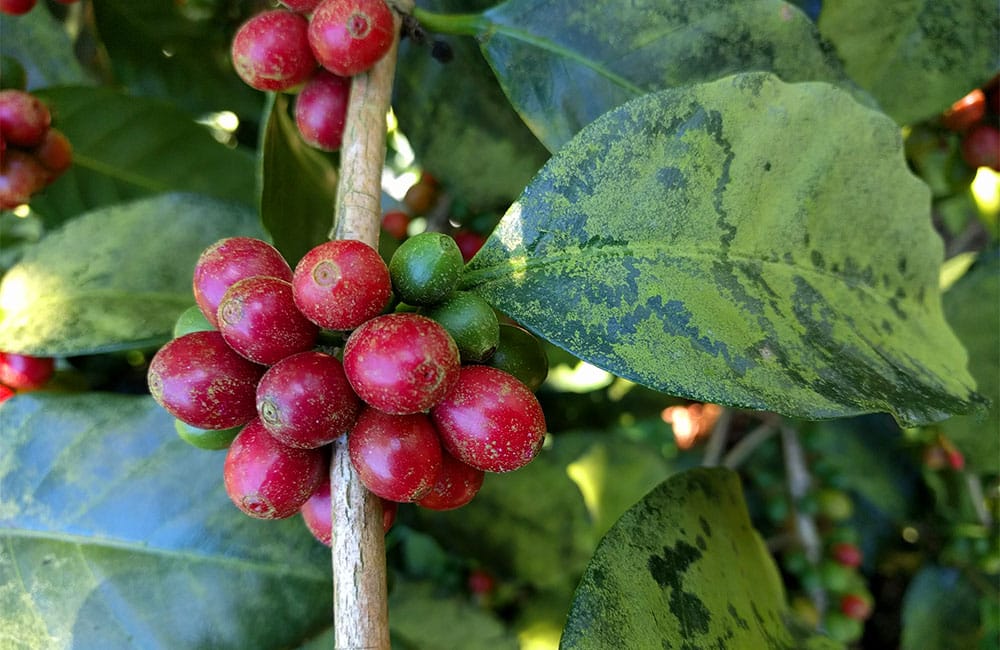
x=747, y=242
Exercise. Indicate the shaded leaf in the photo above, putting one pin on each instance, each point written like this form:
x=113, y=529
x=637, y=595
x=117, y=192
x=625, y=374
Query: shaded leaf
x=40, y=43
x=683, y=568
x=940, y=611
x=113, y=279
x=115, y=533
x=136, y=148
x=298, y=185
x=425, y=620
x=564, y=63
x=915, y=56
x=713, y=242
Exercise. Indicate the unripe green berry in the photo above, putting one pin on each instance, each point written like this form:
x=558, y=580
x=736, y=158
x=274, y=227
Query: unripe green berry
x=191, y=320
x=522, y=355
x=471, y=321
x=835, y=505
x=205, y=438
x=426, y=268
x=841, y=628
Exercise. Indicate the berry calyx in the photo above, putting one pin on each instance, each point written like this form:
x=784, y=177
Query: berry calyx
x=341, y=284
x=258, y=318
x=471, y=321
x=490, y=420
x=350, y=36
x=397, y=457
x=25, y=372
x=305, y=401
x=271, y=51
x=456, y=485
x=321, y=110
x=24, y=119
x=401, y=363
x=228, y=261
x=426, y=268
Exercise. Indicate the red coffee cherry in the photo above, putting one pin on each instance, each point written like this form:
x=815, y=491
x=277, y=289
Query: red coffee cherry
x=397, y=457
x=21, y=176
x=855, y=606
x=24, y=372
x=469, y=243
x=846, y=554
x=981, y=147
x=271, y=51
x=16, y=7
x=456, y=485
x=55, y=153
x=321, y=110
x=266, y=479
x=305, y=401
x=24, y=119
x=317, y=514
x=490, y=420
x=350, y=36
x=966, y=112
x=395, y=223
x=198, y=379
x=228, y=261
x=401, y=363
x=258, y=318
x=481, y=583
x=341, y=284
x=6, y=393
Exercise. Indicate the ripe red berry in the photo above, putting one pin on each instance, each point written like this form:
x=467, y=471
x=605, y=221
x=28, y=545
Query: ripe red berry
x=350, y=36
x=981, y=147
x=469, y=243
x=966, y=112
x=24, y=119
x=258, y=318
x=16, y=7
x=271, y=51
x=317, y=514
x=395, y=223
x=305, y=401
x=846, y=554
x=341, y=284
x=456, y=485
x=266, y=479
x=855, y=606
x=198, y=379
x=21, y=176
x=956, y=460
x=321, y=110
x=24, y=372
x=6, y=393
x=55, y=153
x=490, y=420
x=228, y=261
x=401, y=363
x=397, y=457
x=481, y=583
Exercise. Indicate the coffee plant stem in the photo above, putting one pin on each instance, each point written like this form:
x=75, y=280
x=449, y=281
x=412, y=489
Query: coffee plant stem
x=360, y=611
x=748, y=444
x=717, y=439
x=799, y=483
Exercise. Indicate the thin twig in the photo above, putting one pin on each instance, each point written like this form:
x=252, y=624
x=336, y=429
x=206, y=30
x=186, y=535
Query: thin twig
x=978, y=499
x=717, y=439
x=799, y=483
x=748, y=444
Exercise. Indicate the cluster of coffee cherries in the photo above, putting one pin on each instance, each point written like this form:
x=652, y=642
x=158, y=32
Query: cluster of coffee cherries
x=976, y=118
x=19, y=7
x=276, y=364
x=32, y=153
x=314, y=47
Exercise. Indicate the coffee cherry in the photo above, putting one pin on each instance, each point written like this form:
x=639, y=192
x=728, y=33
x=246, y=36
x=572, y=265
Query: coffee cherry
x=16, y=7
x=456, y=485
x=981, y=147
x=397, y=457
x=469, y=320
x=301, y=6
x=191, y=320
x=24, y=119
x=855, y=606
x=469, y=243
x=305, y=401
x=321, y=110
x=317, y=514
x=834, y=504
x=966, y=112
x=259, y=319
x=228, y=261
x=422, y=195
x=341, y=284
x=350, y=36
x=481, y=583
x=271, y=51
x=212, y=439
x=6, y=392
x=21, y=176
x=426, y=268
x=198, y=379
x=401, y=363
x=55, y=153
x=24, y=372
x=522, y=355
x=842, y=628
x=395, y=223
x=846, y=554
x=266, y=479
x=490, y=420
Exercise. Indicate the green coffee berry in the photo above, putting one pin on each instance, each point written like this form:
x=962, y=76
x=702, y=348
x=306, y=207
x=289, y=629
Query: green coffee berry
x=205, y=438
x=471, y=321
x=426, y=268
x=191, y=320
x=522, y=355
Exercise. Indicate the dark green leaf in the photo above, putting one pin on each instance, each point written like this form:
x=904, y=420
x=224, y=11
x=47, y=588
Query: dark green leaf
x=940, y=611
x=915, y=56
x=40, y=43
x=563, y=63
x=423, y=619
x=127, y=147
x=730, y=242
x=298, y=185
x=115, y=278
x=683, y=568
x=115, y=533
x=972, y=307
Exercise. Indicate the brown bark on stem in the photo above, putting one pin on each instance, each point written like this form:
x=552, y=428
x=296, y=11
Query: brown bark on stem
x=360, y=613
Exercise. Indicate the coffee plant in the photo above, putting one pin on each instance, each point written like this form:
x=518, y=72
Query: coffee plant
x=499, y=324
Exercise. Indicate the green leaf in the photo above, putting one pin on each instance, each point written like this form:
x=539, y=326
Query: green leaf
x=915, y=56
x=127, y=147
x=115, y=533
x=298, y=185
x=421, y=618
x=683, y=568
x=563, y=63
x=972, y=307
x=40, y=43
x=113, y=279
x=940, y=611
x=714, y=242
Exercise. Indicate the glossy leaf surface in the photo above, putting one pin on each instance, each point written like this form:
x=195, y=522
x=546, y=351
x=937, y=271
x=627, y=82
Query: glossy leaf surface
x=681, y=242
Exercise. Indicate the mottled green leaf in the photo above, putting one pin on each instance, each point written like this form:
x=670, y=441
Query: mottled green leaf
x=422, y=619
x=563, y=63
x=115, y=278
x=915, y=56
x=40, y=43
x=114, y=533
x=683, y=568
x=745, y=242
x=127, y=147
x=297, y=183
x=940, y=611
x=972, y=307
